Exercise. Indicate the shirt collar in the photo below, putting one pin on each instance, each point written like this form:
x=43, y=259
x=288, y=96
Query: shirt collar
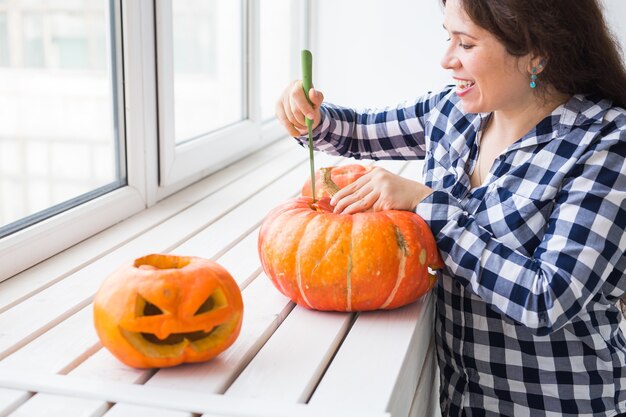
x=582, y=110
x=579, y=111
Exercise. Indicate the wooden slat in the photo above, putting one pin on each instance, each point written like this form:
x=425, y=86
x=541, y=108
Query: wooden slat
x=69, y=343
x=10, y=399
x=60, y=349
x=408, y=375
x=43, y=405
x=424, y=402
x=129, y=410
x=170, y=399
x=434, y=392
x=109, y=369
x=289, y=366
x=242, y=264
x=377, y=365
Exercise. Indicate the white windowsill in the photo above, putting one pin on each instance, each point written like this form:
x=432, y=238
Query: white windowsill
x=287, y=360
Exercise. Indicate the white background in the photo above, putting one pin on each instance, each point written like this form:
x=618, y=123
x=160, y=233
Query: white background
x=374, y=53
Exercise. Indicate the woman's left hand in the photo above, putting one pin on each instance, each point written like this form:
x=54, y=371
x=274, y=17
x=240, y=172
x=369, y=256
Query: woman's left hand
x=379, y=190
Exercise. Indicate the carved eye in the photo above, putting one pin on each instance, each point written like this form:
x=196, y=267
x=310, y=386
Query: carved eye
x=208, y=305
x=144, y=307
x=215, y=301
x=150, y=309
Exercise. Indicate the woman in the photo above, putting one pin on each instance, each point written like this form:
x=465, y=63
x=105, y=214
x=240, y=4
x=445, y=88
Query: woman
x=524, y=189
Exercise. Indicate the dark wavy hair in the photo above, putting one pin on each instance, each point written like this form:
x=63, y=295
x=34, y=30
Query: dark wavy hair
x=583, y=56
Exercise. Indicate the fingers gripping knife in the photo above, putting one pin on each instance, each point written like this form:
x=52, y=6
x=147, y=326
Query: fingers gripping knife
x=307, y=83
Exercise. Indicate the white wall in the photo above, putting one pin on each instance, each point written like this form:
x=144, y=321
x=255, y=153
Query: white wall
x=615, y=11
x=373, y=53
x=377, y=52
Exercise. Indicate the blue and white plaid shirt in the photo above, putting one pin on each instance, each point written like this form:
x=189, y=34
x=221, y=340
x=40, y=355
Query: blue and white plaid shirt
x=527, y=322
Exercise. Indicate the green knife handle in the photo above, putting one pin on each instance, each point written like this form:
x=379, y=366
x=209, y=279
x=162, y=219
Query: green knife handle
x=307, y=77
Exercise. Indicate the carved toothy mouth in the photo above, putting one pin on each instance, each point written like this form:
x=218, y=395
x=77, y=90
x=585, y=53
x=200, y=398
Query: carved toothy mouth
x=173, y=344
x=176, y=338
x=148, y=343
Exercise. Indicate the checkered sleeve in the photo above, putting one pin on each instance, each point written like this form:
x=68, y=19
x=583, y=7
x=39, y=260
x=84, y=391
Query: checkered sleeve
x=389, y=133
x=584, y=239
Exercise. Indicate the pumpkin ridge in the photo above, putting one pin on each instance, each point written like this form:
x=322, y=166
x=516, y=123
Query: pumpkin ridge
x=299, y=280
x=323, y=256
x=404, y=254
x=334, y=233
x=282, y=221
x=349, y=271
x=299, y=257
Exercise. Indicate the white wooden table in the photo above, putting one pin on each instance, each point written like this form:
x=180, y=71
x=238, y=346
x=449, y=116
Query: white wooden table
x=287, y=361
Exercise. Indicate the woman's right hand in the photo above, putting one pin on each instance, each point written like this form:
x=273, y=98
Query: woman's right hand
x=292, y=107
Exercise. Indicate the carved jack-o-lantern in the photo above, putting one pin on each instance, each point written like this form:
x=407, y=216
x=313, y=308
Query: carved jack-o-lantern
x=163, y=310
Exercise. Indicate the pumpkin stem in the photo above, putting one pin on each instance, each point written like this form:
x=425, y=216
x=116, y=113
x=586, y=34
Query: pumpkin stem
x=327, y=182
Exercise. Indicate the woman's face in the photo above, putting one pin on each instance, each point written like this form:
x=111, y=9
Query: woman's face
x=488, y=78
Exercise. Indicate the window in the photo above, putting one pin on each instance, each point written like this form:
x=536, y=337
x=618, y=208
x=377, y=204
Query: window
x=201, y=100
x=208, y=66
x=210, y=86
x=59, y=141
x=109, y=106
x=280, y=51
x=4, y=44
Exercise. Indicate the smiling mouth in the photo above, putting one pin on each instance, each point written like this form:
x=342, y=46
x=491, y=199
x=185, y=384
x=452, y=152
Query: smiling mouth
x=174, y=344
x=463, y=85
x=176, y=338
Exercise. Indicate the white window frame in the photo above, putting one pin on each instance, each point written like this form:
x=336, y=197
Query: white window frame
x=177, y=162
x=181, y=164
x=31, y=245
x=141, y=123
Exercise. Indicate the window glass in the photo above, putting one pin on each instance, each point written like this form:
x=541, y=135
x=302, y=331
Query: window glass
x=4, y=44
x=33, y=38
x=59, y=139
x=277, y=39
x=208, y=66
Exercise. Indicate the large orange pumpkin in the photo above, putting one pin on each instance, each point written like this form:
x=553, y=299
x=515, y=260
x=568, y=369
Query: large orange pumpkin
x=347, y=262
x=163, y=310
x=340, y=176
